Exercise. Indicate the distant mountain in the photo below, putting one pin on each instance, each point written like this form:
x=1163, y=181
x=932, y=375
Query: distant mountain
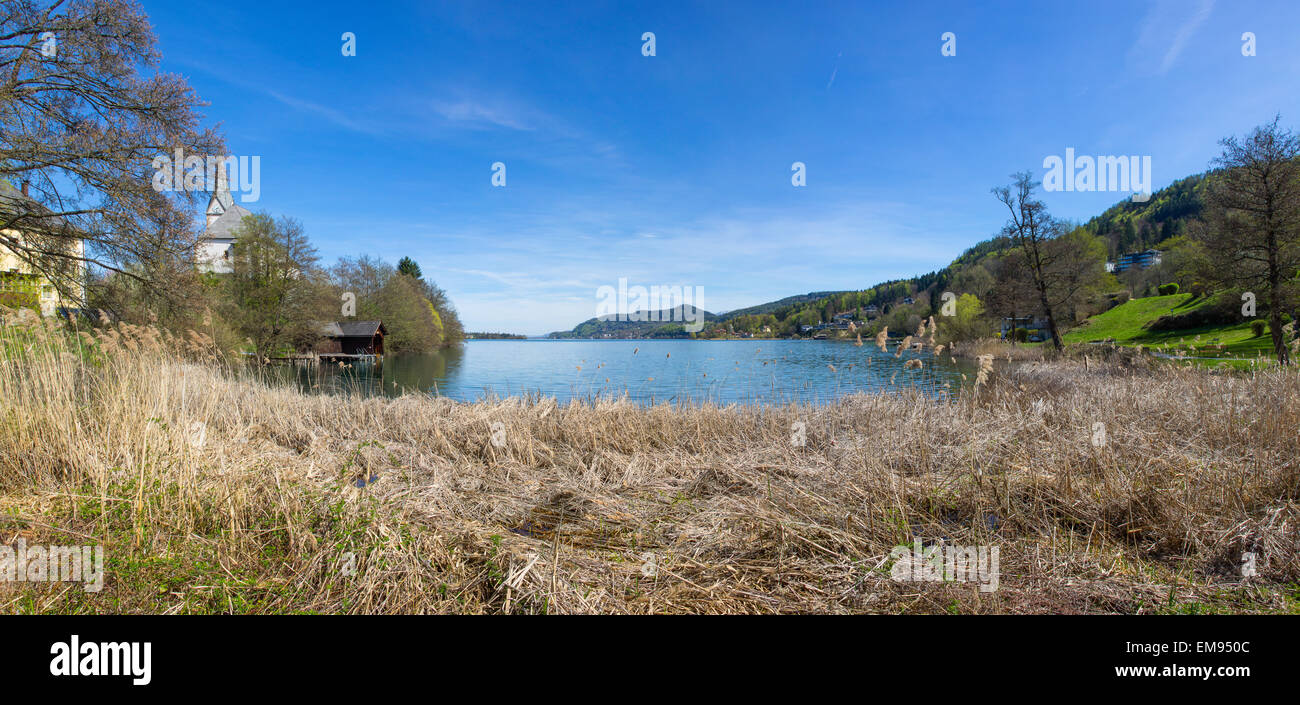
x=664, y=323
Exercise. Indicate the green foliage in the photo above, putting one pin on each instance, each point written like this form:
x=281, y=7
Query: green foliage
x=14, y=299
x=271, y=297
x=967, y=322
x=408, y=316
x=1174, y=323
x=1194, y=313
x=1259, y=328
x=417, y=314
x=408, y=267
x=20, y=290
x=1129, y=226
x=1168, y=289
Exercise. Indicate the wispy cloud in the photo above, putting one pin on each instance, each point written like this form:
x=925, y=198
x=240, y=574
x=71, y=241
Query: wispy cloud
x=834, y=70
x=473, y=114
x=1166, y=30
x=335, y=116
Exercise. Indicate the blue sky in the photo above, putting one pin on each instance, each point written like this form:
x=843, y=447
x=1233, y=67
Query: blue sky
x=675, y=169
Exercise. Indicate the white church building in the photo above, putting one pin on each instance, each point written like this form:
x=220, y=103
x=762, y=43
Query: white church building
x=212, y=253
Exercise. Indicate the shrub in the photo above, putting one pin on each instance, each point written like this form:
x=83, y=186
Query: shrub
x=20, y=299
x=1258, y=328
x=1168, y=289
x=1020, y=335
x=1221, y=311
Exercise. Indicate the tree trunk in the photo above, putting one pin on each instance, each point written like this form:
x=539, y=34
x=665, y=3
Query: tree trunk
x=1051, y=319
x=1275, y=313
x=1275, y=301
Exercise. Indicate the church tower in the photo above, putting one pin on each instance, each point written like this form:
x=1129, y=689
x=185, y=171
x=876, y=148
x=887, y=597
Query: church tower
x=221, y=199
x=212, y=254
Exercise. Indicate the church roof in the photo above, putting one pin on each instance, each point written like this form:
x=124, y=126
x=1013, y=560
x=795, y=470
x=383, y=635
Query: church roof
x=223, y=227
x=221, y=200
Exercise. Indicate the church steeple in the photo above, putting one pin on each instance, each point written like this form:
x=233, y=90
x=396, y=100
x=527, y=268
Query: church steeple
x=221, y=198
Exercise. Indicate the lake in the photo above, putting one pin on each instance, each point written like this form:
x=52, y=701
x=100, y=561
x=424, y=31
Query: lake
x=647, y=371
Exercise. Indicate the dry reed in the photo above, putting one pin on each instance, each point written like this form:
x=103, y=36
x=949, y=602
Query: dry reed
x=214, y=492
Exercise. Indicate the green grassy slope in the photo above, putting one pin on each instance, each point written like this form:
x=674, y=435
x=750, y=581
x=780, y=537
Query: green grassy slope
x=1125, y=325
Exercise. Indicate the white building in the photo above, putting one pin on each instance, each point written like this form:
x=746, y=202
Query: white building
x=212, y=254
x=22, y=284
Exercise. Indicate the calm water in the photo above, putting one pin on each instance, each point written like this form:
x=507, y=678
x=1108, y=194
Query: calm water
x=730, y=371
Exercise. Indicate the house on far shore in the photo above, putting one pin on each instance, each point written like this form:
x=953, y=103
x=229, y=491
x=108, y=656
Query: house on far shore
x=1139, y=260
x=344, y=339
x=1029, y=323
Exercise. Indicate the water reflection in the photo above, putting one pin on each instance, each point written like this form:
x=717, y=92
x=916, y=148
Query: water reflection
x=391, y=376
x=749, y=371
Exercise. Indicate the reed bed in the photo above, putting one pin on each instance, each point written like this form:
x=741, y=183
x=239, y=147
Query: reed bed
x=213, y=491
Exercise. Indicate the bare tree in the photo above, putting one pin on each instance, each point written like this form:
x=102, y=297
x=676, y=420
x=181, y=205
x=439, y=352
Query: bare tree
x=1031, y=227
x=83, y=114
x=1251, y=230
x=1076, y=271
x=1012, y=289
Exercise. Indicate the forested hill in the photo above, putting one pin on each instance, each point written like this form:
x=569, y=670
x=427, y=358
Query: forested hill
x=1133, y=227
x=771, y=306
x=1125, y=227
x=666, y=323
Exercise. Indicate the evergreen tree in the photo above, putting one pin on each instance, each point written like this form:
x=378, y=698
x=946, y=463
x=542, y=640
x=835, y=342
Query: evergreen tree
x=408, y=267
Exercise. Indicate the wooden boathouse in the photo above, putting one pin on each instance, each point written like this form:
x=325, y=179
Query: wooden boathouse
x=350, y=340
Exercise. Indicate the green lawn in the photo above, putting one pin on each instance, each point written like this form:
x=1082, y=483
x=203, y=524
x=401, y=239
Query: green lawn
x=1124, y=324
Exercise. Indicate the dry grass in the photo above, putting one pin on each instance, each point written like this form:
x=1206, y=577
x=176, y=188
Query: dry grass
x=613, y=507
x=1000, y=350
